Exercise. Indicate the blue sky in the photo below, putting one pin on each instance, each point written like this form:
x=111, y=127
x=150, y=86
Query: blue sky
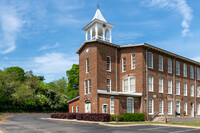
x=43, y=36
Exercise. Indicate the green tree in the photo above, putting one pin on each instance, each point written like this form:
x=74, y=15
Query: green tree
x=17, y=72
x=73, y=81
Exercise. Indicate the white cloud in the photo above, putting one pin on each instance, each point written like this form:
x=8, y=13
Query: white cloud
x=45, y=47
x=11, y=24
x=196, y=58
x=179, y=6
x=53, y=65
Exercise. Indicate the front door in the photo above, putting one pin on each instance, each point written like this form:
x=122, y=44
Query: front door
x=192, y=109
x=87, y=107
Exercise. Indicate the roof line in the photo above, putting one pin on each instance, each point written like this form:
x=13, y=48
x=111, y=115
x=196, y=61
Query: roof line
x=73, y=99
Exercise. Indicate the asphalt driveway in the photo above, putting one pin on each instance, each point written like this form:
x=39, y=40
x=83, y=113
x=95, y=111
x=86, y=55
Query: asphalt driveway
x=31, y=123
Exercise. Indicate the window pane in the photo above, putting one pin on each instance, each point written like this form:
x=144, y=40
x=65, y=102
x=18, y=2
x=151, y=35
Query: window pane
x=124, y=64
x=132, y=84
x=191, y=72
x=169, y=86
x=87, y=65
x=89, y=86
x=177, y=88
x=104, y=108
x=160, y=63
x=112, y=105
x=130, y=105
x=185, y=107
x=150, y=83
x=150, y=60
x=185, y=89
x=169, y=66
x=185, y=70
x=150, y=106
x=161, y=85
x=160, y=106
x=169, y=107
x=192, y=90
x=85, y=84
x=108, y=85
x=125, y=85
x=108, y=68
x=133, y=61
x=177, y=68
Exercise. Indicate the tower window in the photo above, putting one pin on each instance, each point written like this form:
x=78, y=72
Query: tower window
x=87, y=65
x=85, y=86
x=89, y=86
x=108, y=85
x=123, y=64
x=108, y=63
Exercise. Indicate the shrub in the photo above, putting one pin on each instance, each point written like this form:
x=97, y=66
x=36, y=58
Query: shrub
x=93, y=117
x=112, y=117
x=134, y=116
x=121, y=117
x=64, y=115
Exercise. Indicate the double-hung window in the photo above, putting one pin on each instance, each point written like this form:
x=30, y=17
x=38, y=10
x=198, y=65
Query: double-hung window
x=185, y=89
x=169, y=65
x=130, y=105
x=161, y=85
x=72, y=109
x=85, y=87
x=185, y=107
x=191, y=72
x=89, y=86
x=129, y=84
x=133, y=61
x=198, y=108
x=123, y=64
x=185, y=70
x=198, y=73
x=108, y=85
x=150, y=83
x=198, y=91
x=170, y=107
x=77, y=109
x=192, y=90
x=160, y=63
x=87, y=65
x=169, y=86
x=151, y=106
x=177, y=88
x=177, y=68
x=104, y=108
x=150, y=60
x=160, y=106
x=112, y=105
x=108, y=63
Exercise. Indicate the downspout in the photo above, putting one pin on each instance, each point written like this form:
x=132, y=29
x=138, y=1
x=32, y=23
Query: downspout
x=174, y=87
x=116, y=67
x=195, y=93
x=147, y=97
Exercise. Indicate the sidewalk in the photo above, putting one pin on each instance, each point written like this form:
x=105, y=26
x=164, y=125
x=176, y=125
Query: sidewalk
x=125, y=125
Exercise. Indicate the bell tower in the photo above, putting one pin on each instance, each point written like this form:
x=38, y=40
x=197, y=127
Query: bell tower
x=98, y=28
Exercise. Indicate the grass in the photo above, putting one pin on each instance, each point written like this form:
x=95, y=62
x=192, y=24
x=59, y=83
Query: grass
x=1, y=116
x=183, y=124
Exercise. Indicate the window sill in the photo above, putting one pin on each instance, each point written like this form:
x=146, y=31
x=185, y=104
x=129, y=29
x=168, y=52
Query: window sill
x=169, y=93
x=132, y=68
x=161, y=92
x=160, y=70
x=151, y=113
x=151, y=91
x=170, y=114
x=150, y=67
x=108, y=70
x=161, y=114
x=170, y=72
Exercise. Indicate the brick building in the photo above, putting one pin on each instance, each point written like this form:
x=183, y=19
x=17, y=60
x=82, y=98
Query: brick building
x=133, y=78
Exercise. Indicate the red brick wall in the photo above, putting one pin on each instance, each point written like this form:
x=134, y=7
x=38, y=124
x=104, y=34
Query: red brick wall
x=73, y=103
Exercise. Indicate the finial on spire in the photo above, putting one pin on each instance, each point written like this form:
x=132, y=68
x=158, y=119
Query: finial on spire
x=97, y=6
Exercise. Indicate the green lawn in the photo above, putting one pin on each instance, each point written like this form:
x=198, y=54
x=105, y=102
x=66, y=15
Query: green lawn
x=1, y=116
x=184, y=124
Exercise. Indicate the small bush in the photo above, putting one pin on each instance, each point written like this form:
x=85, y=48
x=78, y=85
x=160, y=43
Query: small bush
x=112, y=117
x=93, y=117
x=134, y=116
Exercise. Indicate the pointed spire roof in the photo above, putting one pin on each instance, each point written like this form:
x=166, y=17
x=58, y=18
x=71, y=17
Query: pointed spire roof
x=99, y=16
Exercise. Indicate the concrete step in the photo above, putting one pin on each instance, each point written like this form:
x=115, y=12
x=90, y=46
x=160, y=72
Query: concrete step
x=159, y=119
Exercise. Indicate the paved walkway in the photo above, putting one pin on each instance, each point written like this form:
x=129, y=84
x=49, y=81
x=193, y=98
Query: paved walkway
x=32, y=123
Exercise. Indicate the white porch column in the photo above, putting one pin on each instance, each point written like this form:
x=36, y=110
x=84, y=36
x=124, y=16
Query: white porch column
x=96, y=31
x=110, y=36
x=104, y=35
x=86, y=36
x=91, y=34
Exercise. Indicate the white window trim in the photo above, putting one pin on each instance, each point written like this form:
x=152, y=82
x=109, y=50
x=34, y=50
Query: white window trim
x=129, y=88
x=85, y=87
x=107, y=63
x=152, y=83
x=127, y=104
x=159, y=84
x=152, y=60
x=162, y=106
x=107, y=85
x=186, y=107
x=185, y=70
x=106, y=108
x=77, y=109
x=87, y=64
x=159, y=63
x=123, y=64
x=132, y=61
x=114, y=105
x=198, y=108
x=179, y=88
x=178, y=73
x=73, y=109
x=192, y=94
x=184, y=88
x=89, y=86
x=152, y=107
x=168, y=107
x=168, y=86
x=170, y=65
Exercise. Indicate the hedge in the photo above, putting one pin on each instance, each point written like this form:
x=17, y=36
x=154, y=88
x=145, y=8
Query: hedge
x=134, y=116
x=83, y=116
x=112, y=117
x=64, y=115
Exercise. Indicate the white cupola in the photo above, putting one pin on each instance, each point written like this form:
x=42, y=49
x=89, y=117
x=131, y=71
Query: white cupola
x=98, y=28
